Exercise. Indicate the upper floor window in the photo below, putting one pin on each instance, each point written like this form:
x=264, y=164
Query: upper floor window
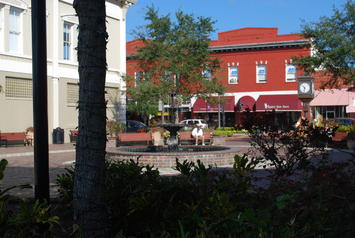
x=290, y=73
x=261, y=73
x=15, y=30
x=67, y=40
x=233, y=74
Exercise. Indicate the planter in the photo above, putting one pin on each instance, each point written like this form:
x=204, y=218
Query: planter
x=219, y=140
x=339, y=136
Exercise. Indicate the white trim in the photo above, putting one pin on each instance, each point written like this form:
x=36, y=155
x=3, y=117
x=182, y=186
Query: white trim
x=17, y=55
x=23, y=5
x=55, y=102
x=15, y=66
x=55, y=65
x=112, y=10
x=2, y=27
x=113, y=78
x=71, y=18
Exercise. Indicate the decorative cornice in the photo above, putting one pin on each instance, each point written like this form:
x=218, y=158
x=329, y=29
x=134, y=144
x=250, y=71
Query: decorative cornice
x=126, y=3
x=258, y=46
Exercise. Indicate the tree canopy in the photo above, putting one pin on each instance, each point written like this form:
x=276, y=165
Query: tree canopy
x=334, y=45
x=175, y=56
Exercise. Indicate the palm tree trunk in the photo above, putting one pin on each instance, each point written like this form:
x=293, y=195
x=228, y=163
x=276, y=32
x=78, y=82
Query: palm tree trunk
x=90, y=211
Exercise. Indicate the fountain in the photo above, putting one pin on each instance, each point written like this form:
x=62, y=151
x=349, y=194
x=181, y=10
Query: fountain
x=172, y=140
x=165, y=156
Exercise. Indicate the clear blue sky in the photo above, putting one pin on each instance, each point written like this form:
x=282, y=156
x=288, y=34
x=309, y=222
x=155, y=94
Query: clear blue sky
x=233, y=14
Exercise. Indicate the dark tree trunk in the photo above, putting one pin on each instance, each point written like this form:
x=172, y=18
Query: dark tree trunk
x=90, y=211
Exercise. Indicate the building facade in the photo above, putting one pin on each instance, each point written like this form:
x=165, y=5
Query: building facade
x=259, y=76
x=62, y=66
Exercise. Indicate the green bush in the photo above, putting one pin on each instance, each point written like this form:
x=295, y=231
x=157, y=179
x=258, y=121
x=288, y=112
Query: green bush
x=345, y=129
x=227, y=131
x=203, y=202
x=224, y=131
x=23, y=218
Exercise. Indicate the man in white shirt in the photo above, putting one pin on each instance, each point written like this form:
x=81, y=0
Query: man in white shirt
x=198, y=132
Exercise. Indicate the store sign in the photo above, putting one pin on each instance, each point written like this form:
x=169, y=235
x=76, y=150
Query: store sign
x=276, y=107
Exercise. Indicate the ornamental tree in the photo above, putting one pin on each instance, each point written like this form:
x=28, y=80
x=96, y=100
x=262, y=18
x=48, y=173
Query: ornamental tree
x=334, y=45
x=175, y=57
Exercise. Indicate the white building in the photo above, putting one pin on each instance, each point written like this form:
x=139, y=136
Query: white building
x=16, y=64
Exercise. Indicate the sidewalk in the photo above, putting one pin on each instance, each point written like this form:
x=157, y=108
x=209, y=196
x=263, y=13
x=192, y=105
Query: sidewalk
x=15, y=151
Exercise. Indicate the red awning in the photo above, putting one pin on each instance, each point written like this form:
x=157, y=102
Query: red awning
x=245, y=103
x=202, y=106
x=278, y=103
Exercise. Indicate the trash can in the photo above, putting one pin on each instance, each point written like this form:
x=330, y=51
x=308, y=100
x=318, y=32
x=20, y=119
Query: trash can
x=58, y=136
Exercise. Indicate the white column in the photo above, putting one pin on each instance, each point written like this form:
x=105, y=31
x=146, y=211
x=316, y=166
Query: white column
x=55, y=68
x=122, y=64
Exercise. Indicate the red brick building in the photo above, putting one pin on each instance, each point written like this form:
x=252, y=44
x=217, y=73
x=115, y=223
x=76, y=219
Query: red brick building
x=257, y=71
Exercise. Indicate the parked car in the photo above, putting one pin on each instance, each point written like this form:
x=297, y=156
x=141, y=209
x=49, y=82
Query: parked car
x=135, y=126
x=189, y=123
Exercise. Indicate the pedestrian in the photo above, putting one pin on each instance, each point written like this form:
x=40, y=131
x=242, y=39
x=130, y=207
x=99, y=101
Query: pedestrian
x=198, y=132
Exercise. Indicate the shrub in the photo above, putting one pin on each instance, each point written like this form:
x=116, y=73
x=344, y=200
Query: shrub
x=206, y=202
x=224, y=131
x=23, y=218
x=345, y=129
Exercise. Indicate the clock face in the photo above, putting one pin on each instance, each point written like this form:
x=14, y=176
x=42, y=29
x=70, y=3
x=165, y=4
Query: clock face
x=305, y=87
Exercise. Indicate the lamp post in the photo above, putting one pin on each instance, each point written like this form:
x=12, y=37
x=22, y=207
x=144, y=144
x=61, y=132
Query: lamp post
x=305, y=93
x=40, y=101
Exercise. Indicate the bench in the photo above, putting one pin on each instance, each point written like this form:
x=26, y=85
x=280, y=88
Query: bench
x=133, y=138
x=13, y=138
x=185, y=137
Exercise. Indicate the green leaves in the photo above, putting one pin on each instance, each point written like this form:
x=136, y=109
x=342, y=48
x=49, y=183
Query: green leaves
x=334, y=45
x=179, y=47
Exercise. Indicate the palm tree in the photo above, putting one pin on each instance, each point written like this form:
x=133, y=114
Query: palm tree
x=90, y=211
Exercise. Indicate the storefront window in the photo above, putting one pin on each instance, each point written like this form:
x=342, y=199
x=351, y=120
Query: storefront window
x=330, y=112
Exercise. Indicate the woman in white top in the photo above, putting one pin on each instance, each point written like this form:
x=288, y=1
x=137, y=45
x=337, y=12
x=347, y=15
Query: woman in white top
x=198, y=132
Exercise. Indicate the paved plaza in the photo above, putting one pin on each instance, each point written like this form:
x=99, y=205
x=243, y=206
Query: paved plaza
x=20, y=168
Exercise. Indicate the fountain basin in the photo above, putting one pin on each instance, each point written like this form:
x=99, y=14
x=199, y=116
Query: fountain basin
x=209, y=155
